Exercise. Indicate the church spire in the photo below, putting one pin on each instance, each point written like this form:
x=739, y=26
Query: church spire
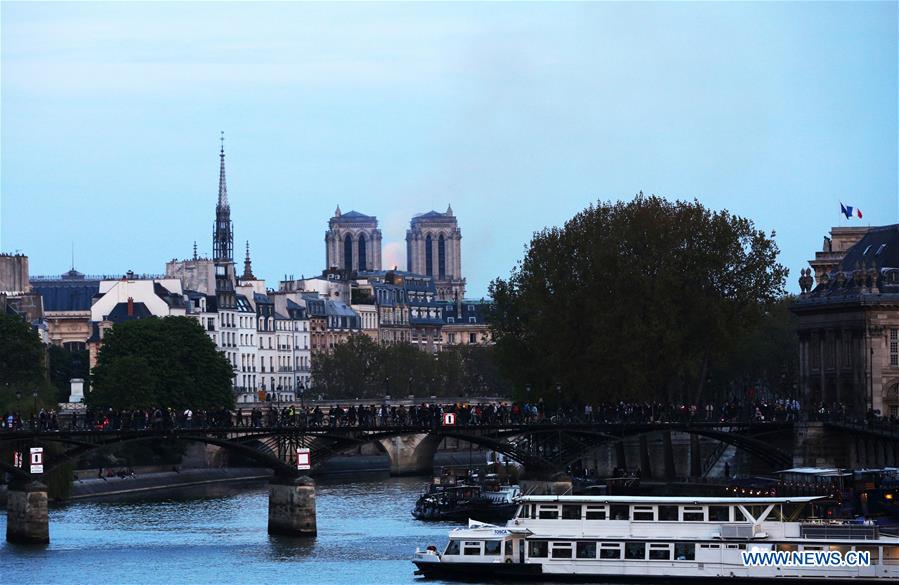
x=222, y=235
x=449, y=209
x=223, y=187
x=247, y=267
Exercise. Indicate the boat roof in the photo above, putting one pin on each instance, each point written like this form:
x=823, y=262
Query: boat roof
x=815, y=471
x=667, y=500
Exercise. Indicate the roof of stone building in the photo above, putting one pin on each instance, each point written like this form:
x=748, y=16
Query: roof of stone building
x=66, y=295
x=119, y=313
x=870, y=269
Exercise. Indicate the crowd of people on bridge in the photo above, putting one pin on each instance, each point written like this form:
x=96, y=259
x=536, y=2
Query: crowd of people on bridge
x=416, y=415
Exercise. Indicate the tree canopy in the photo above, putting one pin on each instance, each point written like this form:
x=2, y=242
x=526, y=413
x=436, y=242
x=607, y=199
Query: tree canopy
x=21, y=354
x=633, y=300
x=168, y=362
x=361, y=368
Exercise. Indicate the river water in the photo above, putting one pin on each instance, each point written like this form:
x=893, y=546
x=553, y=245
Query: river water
x=366, y=535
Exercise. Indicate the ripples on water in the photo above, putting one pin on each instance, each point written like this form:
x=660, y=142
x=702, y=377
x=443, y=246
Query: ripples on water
x=366, y=536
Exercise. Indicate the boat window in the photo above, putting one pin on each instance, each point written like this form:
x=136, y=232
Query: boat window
x=693, y=514
x=874, y=551
x=571, y=511
x=620, y=512
x=805, y=547
x=660, y=552
x=537, y=548
x=524, y=511
x=644, y=513
x=610, y=550
x=491, y=547
x=561, y=550
x=596, y=513
x=787, y=547
x=471, y=548
x=709, y=546
x=548, y=512
x=684, y=551
x=719, y=513
x=668, y=513
x=452, y=548
x=890, y=553
x=586, y=550
x=635, y=550
x=508, y=548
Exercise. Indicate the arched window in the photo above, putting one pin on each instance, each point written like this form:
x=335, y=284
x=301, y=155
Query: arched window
x=429, y=249
x=348, y=252
x=362, y=251
x=441, y=257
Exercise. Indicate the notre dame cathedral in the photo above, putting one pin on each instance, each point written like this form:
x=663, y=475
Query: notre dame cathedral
x=433, y=248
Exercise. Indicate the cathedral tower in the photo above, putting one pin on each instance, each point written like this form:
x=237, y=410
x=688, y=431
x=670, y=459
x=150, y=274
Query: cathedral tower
x=353, y=242
x=434, y=248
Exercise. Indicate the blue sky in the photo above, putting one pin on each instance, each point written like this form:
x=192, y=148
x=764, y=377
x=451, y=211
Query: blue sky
x=519, y=114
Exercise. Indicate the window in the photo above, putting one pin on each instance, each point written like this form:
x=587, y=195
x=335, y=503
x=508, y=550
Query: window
x=548, y=513
x=571, y=511
x=644, y=513
x=524, y=511
x=507, y=548
x=586, y=550
x=719, y=513
x=894, y=347
x=635, y=550
x=472, y=338
x=595, y=513
x=471, y=548
x=491, y=547
x=538, y=549
x=694, y=514
x=684, y=551
x=620, y=512
x=452, y=548
x=668, y=513
x=709, y=546
x=610, y=550
x=660, y=552
x=561, y=550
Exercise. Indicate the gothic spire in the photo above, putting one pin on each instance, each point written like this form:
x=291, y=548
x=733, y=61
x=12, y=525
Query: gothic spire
x=223, y=187
x=449, y=209
x=247, y=268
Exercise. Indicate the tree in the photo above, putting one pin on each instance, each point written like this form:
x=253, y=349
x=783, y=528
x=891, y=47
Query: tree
x=633, y=300
x=360, y=368
x=66, y=364
x=168, y=362
x=21, y=354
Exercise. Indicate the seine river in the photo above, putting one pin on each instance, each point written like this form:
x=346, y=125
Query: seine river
x=366, y=535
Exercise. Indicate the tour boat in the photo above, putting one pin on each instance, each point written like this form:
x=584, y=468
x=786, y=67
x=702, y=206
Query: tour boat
x=647, y=538
x=450, y=498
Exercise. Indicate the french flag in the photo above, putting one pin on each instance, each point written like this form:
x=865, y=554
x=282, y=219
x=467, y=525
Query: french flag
x=848, y=209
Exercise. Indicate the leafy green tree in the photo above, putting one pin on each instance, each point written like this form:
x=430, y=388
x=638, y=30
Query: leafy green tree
x=633, y=300
x=66, y=364
x=21, y=355
x=168, y=362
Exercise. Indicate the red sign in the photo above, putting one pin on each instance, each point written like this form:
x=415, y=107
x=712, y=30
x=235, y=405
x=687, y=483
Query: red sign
x=449, y=419
x=304, y=460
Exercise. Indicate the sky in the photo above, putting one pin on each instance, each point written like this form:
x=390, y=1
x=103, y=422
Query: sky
x=518, y=114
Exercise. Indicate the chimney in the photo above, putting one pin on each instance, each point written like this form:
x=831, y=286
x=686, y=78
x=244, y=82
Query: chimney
x=130, y=306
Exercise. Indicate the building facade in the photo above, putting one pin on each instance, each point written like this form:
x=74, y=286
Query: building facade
x=849, y=327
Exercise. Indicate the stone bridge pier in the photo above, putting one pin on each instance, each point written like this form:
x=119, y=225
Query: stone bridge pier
x=27, y=520
x=814, y=445
x=411, y=454
x=291, y=506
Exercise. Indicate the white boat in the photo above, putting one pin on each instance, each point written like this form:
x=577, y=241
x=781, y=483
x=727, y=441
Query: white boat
x=668, y=539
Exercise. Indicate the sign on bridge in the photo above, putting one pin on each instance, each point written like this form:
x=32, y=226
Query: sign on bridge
x=449, y=419
x=37, y=460
x=304, y=460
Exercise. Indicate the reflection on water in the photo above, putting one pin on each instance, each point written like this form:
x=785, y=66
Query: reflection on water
x=366, y=535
